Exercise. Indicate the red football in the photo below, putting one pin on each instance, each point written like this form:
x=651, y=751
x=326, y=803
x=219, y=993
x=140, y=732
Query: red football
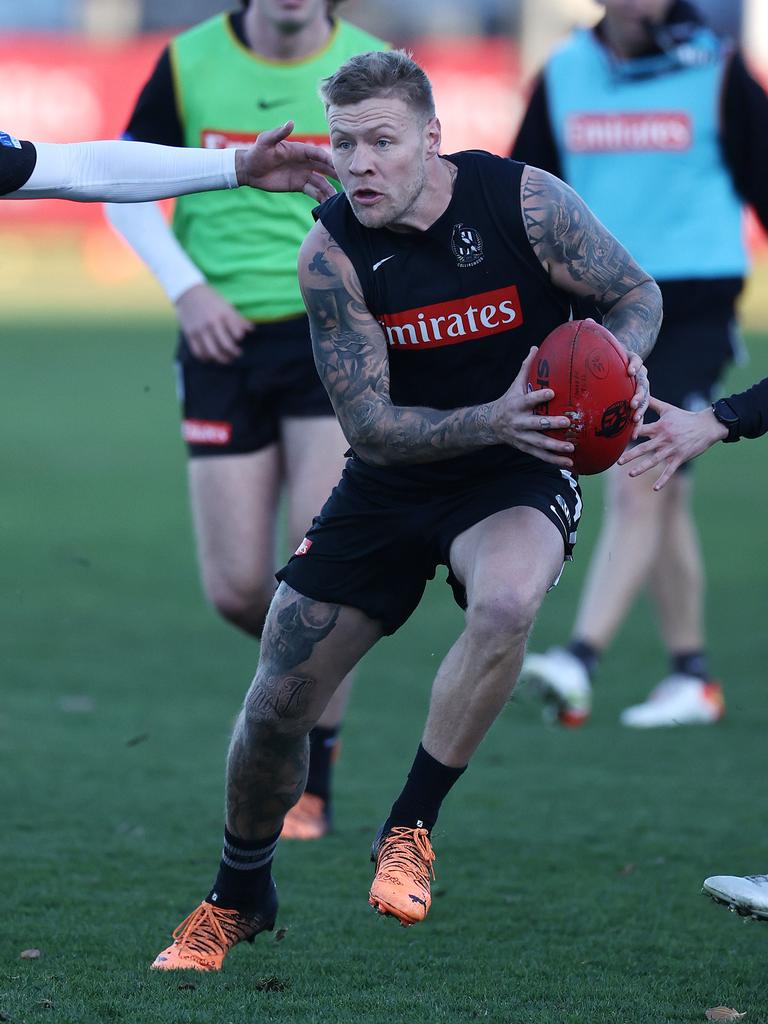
x=586, y=367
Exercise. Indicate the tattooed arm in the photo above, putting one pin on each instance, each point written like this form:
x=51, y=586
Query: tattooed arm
x=351, y=357
x=582, y=257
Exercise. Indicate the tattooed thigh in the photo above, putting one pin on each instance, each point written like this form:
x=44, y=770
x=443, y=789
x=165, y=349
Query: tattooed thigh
x=295, y=624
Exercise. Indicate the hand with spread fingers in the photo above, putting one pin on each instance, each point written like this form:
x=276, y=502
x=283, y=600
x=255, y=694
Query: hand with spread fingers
x=676, y=437
x=277, y=165
x=516, y=422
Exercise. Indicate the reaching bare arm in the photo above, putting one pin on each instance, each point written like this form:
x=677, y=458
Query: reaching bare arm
x=673, y=439
x=584, y=258
x=351, y=357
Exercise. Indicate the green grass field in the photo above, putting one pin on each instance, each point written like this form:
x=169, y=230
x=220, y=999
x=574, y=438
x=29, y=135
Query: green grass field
x=569, y=863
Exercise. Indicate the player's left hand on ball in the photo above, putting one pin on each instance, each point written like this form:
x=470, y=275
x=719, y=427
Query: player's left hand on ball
x=639, y=403
x=276, y=165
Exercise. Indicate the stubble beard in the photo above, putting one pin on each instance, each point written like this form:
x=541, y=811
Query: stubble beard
x=381, y=218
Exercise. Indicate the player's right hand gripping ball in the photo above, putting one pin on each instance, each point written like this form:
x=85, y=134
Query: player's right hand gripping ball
x=586, y=367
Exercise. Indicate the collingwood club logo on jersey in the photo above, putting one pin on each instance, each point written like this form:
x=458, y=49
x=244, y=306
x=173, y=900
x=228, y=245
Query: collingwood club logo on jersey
x=450, y=323
x=466, y=246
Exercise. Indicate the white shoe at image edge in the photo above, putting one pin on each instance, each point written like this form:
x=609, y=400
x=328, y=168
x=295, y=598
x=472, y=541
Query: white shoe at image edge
x=677, y=700
x=747, y=895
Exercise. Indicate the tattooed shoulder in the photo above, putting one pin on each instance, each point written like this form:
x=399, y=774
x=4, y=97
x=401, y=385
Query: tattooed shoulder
x=582, y=257
x=578, y=252
x=323, y=264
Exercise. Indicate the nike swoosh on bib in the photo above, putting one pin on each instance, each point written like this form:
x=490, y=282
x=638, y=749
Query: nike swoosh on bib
x=269, y=104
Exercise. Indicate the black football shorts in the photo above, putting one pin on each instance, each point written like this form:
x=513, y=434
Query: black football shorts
x=236, y=408
x=375, y=544
x=688, y=361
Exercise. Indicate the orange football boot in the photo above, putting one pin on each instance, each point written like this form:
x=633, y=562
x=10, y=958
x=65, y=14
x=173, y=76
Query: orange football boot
x=203, y=939
x=403, y=867
x=308, y=819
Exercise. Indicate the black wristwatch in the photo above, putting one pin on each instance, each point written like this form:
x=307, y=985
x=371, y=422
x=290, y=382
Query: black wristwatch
x=725, y=415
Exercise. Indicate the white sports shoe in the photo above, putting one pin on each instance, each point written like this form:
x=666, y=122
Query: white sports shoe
x=747, y=896
x=563, y=684
x=677, y=700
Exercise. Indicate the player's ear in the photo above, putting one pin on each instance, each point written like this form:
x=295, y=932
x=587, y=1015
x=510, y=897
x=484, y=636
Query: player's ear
x=433, y=134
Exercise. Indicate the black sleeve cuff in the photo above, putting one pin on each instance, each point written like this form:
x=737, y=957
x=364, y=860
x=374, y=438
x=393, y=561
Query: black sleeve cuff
x=16, y=166
x=751, y=407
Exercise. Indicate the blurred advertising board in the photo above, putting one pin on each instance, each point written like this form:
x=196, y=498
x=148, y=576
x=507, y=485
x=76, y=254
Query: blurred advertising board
x=68, y=89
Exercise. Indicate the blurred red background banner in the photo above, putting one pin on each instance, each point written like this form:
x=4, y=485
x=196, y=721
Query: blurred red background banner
x=68, y=89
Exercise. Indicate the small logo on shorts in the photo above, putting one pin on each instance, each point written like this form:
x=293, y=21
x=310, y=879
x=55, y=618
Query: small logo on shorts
x=206, y=432
x=466, y=246
x=303, y=548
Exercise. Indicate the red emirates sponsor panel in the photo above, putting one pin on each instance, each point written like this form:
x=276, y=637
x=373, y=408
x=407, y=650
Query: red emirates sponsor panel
x=450, y=323
x=217, y=138
x=206, y=431
x=618, y=133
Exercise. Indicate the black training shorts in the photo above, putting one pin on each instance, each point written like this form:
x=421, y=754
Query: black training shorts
x=375, y=544
x=236, y=408
x=688, y=361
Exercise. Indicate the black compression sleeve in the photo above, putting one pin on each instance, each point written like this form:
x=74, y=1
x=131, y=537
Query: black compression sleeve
x=751, y=407
x=744, y=135
x=16, y=166
x=156, y=115
x=535, y=143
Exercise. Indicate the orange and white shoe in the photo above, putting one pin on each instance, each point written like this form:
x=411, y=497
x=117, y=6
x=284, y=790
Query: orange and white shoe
x=562, y=682
x=403, y=869
x=677, y=700
x=308, y=819
x=203, y=939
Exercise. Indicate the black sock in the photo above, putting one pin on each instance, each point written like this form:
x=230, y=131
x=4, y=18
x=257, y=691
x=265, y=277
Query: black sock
x=691, y=663
x=244, y=872
x=322, y=747
x=588, y=655
x=429, y=782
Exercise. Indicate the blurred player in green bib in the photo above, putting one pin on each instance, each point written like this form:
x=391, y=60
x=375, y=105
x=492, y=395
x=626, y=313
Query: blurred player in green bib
x=256, y=418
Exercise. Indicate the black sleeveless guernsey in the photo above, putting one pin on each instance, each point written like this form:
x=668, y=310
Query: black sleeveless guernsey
x=460, y=303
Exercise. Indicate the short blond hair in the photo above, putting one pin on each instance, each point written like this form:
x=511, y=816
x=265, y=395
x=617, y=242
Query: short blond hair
x=379, y=74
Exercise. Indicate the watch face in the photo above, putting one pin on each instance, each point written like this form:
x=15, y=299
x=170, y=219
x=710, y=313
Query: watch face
x=725, y=414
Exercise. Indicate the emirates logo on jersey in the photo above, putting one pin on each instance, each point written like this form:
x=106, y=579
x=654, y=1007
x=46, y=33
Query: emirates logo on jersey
x=450, y=323
x=629, y=133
